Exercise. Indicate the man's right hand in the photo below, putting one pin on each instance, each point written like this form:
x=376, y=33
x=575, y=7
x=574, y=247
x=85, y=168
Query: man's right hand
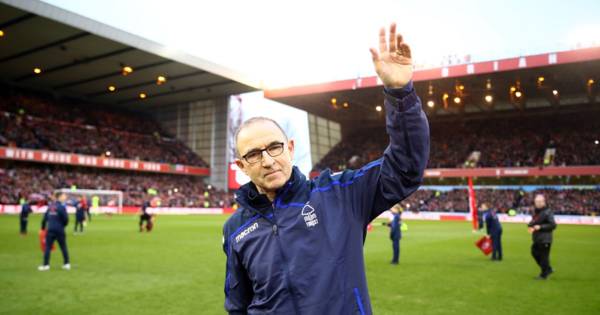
x=530, y=229
x=393, y=62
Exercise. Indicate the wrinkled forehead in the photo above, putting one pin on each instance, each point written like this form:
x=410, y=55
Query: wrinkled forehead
x=258, y=135
x=540, y=198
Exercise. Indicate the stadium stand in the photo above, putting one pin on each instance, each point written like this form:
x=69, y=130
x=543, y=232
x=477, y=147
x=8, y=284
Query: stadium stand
x=36, y=122
x=24, y=180
x=505, y=142
x=563, y=201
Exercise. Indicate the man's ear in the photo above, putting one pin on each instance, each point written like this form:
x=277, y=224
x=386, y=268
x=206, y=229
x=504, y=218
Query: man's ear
x=290, y=146
x=241, y=165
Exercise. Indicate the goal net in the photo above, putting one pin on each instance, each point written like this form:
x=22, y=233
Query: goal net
x=99, y=201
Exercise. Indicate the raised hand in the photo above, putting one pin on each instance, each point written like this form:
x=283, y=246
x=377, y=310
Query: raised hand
x=393, y=62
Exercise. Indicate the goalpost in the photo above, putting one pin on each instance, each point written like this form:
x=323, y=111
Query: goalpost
x=99, y=201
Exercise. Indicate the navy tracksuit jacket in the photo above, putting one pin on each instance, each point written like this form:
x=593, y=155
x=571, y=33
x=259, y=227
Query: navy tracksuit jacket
x=395, y=236
x=303, y=252
x=494, y=230
x=492, y=223
x=55, y=218
x=395, y=233
x=25, y=211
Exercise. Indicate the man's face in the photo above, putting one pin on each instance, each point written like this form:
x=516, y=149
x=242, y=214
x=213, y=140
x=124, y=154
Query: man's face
x=269, y=173
x=62, y=197
x=540, y=201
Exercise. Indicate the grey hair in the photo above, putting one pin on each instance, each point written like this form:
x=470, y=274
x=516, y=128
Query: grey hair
x=252, y=121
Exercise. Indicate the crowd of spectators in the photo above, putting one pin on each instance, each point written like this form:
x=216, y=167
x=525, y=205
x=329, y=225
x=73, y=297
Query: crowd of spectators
x=33, y=122
x=30, y=181
x=26, y=181
x=39, y=122
x=563, y=201
x=505, y=142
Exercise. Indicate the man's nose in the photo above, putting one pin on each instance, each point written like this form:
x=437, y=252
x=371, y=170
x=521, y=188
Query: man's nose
x=267, y=160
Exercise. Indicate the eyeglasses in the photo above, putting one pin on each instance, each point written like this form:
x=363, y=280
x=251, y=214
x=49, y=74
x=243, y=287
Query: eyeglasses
x=256, y=156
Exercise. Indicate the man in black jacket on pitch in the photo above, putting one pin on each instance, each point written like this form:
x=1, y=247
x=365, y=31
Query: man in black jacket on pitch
x=541, y=226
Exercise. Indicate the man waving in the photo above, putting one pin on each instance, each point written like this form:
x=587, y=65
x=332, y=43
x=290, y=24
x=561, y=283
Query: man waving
x=295, y=246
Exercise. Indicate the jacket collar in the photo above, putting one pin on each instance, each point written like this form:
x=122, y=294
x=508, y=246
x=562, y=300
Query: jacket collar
x=540, y=210
x=249, y=197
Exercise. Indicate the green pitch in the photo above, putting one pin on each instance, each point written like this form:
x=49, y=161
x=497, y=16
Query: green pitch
x=179, y=269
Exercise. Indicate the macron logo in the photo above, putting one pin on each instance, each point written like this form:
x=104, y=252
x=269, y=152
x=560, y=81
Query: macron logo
x=245, y=232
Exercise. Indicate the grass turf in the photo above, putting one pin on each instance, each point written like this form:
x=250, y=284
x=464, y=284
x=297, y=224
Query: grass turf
x=179, y=269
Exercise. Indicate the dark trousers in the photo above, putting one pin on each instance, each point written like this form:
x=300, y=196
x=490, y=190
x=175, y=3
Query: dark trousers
x=23, y=225
x=497, y=245
x=396, y=248
x=541, y=254
x=79, y=223
x=89, y=215
x=62, y=243
x=144, y=218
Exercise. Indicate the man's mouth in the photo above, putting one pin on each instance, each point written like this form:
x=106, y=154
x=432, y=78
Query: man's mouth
x=271, y=173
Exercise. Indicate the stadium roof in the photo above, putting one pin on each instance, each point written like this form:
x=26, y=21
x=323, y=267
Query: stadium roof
x=81, y=58
x=552, y=80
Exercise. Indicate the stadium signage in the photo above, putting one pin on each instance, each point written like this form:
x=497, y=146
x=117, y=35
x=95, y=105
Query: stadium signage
x=520, y=218
x=514, y=171
x=52, y=157
x=508, y=172
x=459, y=70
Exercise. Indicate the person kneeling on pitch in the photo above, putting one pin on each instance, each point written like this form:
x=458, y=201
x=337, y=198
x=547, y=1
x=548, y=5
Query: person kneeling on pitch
x=56, y=219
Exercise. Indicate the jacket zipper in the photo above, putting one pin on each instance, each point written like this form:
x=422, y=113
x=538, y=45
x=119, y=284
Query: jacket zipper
x=285, y=263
